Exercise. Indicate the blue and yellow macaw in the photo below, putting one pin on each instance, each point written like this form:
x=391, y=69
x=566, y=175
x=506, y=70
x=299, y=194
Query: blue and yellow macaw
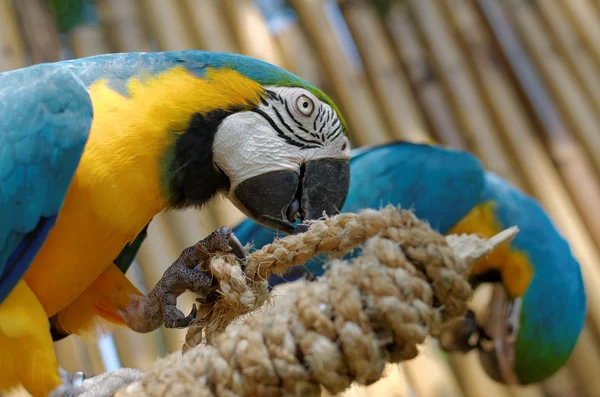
x=538, y=305
x=92, y=149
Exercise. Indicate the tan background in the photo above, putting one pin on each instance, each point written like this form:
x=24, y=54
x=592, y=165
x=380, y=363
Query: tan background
x=517, y=82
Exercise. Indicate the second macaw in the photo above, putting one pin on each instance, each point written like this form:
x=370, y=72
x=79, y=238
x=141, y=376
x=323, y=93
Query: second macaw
x=538, y=306
x=92, y=149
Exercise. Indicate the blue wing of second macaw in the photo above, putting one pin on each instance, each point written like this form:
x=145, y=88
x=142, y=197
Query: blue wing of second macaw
x=45, y=118
x=440, y=184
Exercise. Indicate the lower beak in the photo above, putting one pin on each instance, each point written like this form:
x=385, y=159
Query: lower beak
x=325, y=185
x=278, y=199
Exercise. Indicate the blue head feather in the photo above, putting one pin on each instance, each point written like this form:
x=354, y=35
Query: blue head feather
x=118, y=68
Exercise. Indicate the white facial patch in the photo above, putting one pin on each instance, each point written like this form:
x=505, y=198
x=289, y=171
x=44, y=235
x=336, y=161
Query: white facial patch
x=281, y=135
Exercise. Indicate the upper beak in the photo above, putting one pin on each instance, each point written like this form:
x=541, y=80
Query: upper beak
x=277, y=199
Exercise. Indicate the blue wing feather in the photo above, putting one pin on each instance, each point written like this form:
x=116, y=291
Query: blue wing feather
x=441, y=185
x=45, y=117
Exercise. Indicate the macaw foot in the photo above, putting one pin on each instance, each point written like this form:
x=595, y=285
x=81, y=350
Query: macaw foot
x=463, y=337
x=188, y=272
x=72, y=384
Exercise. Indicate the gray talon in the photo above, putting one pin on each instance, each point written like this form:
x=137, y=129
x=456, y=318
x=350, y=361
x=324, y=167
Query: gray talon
x=237, y=247
x=186, y=321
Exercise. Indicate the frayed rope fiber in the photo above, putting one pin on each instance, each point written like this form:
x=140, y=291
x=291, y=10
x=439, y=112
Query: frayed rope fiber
x=408, y=282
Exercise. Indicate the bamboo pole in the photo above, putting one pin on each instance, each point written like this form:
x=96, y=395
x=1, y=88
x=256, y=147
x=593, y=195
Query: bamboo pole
x=423, y=77
x=34, y=17
x=430, y=374
x=210, y=26
x=354, y=97
x=560, y=82
x=477, y=125
x=300, y=56
x=394, y=383
x=74, y=355
x=586, y=19
x=251, y=33
x=388, y=80
x=294, y=45
x=12, y=48
x=167, y=24
x=473, y=379
x=123, y=25
x=87, y=38
x=563, y=383
x=586, y=364
x=573, y=50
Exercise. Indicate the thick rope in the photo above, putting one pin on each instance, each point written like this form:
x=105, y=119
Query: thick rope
x=244, y=288
x=408, y=282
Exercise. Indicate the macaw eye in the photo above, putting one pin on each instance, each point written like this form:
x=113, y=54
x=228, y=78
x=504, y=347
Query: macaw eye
x=305, y=105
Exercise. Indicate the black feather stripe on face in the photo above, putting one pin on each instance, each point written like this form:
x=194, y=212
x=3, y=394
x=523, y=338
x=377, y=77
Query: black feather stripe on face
x=194, y=179
x=325, y=126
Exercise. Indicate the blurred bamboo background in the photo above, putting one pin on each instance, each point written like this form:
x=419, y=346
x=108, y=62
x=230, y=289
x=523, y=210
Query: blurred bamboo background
x=517, y=82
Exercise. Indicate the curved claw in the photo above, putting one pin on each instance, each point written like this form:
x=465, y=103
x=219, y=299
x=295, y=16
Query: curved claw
x=237, y=247
x=186, y=321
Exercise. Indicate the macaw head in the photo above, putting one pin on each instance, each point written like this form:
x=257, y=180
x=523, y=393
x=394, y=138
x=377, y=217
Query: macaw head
x=279, y=146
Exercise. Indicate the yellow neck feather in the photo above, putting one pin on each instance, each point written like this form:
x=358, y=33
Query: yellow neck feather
x=124, y=160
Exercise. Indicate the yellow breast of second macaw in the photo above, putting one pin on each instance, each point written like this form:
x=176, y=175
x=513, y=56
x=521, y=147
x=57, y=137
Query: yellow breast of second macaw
x=513, y=265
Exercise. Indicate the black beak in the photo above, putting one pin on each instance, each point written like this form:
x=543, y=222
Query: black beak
x=278, y=199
